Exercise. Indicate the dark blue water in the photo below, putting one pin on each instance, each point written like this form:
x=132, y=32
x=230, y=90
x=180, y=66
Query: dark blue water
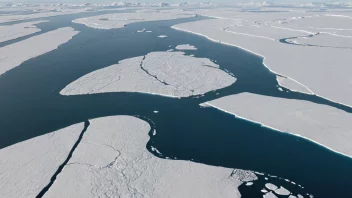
x=31, y=105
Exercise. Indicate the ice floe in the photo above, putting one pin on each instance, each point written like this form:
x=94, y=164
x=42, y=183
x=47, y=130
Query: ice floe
x=10, y=32
x=120, y=20
x=112, y=160
x=322, y=124
x=186, y=47
x=320, y=69
x=162, y=36
x=27, y=167
x=171, y=74
x=13, y=55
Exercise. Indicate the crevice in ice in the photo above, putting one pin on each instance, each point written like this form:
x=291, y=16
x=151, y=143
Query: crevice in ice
x=291, y=41
x=53, y=178
x=146, y=71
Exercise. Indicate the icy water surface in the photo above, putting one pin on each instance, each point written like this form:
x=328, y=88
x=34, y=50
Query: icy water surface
x=31, y=105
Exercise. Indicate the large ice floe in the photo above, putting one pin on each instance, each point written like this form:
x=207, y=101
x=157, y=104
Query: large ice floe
x=320, y=65
x=171, y=74
x=112, y=161
x=323, y=124
x=119, y=20
x=108, y=159
x=26, y=167
x=14, y=54
x=10, y=32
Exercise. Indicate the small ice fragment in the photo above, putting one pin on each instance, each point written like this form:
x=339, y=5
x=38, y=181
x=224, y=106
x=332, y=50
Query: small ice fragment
x=149, y=31
x=170, y=50
x=154, y=132
x=192, y=55
x=249, y=183
x=264, y=190
x=143, y=30
x=162, y=36
x=186, y=47
x=156, y=111
x=266, y=178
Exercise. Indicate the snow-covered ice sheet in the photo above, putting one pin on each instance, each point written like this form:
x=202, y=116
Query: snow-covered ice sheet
x=13, y=55
x=323, y=70
x=112, y=161
x=323, y=124
x=120, y=20
x=10, y=32
x=27, y=167
x=169, y=74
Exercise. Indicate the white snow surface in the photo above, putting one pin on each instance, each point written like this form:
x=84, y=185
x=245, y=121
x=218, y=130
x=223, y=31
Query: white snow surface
x=282, y=191
x=120, y=20
x=13, y=55
x=323, y=70
x=10, y=32
x=112, y=161
x=322, y=124
x=171, y=74
x=186, y=47
x=292, y=85
x=26, y=167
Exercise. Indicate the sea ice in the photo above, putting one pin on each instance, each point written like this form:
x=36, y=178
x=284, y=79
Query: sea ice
x=121, y=166
x=13, y=55
x=162, y=36
x=120, y=20
x=320, y=123
x=186, y=47
x=282, y=191
x=320, y=69
x=26, y=167
x=10, y=32
x=269, y=195
x=270, y=186
x=169, y=74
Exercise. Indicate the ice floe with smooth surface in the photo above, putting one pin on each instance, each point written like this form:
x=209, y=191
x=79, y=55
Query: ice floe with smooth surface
x=292, y=85
x=10, y=32
x=120, y=20
x=320, y=69
x=282, y=191
x=169, y=74
x=13, y=55
x=186, y=47
x=322, y=124
x=112, y=160
x=27, y=167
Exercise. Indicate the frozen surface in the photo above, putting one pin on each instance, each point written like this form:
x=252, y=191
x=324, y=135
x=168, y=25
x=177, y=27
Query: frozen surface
x=164, y=73
x=119, y=20
x=112, y=161
x=13, y=55
x=292, y=85
x=323, y=69
x=282, y=191
x=271, y=186
x=26, y=167
x=320, y=123
x=10, y=32
x=186, y=47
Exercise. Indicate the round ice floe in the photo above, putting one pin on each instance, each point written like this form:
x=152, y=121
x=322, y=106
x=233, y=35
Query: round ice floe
x=269, y=195
x=249, y=183
x=282, y=191
x=271, y=186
